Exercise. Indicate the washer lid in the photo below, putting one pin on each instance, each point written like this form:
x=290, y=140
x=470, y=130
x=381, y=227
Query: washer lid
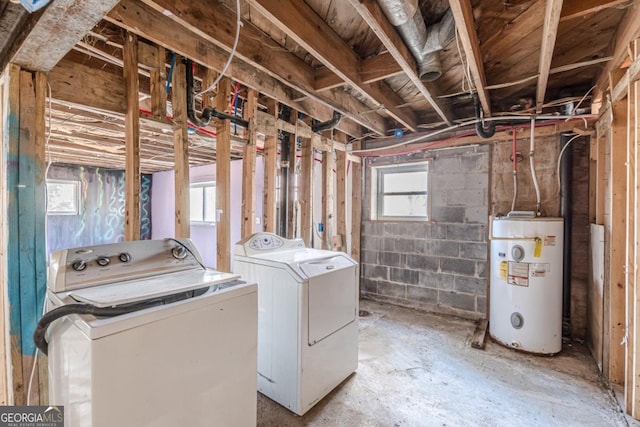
x=321, y=266
x=153, y=287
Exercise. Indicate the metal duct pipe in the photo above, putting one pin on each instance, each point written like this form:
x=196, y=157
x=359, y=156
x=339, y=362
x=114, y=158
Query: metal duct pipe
x=424, y=43
x=329, y=124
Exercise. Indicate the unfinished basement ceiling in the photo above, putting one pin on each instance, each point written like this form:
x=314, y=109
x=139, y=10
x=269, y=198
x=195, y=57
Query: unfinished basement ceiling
x=318, y=56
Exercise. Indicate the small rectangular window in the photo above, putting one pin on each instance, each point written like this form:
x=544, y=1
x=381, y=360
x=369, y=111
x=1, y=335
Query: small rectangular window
x=63, y=197
x=400, y=192
x=202, y=202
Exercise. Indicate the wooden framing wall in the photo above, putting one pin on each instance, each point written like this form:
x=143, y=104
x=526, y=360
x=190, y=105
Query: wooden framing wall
x=223, y=179
x=5, y=359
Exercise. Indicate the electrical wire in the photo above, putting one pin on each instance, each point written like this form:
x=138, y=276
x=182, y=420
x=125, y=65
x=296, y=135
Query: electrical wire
x=564, y=149
x=231, y=54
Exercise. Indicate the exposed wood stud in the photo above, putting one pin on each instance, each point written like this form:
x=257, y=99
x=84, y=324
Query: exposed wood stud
x=249, y=167
x=132, y=139
x=292, y=224
x=305, y=191
x=356, y=204
x=223, y=179
x=158, y=85
x=328, y=177
x=181, y=150
x=341, y=195
x=270, y=171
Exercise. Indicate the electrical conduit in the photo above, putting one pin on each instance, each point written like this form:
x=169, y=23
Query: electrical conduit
x=515, y=171
x=533, y=168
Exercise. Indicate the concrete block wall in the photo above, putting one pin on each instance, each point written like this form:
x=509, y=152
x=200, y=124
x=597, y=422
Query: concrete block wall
x=440, y=265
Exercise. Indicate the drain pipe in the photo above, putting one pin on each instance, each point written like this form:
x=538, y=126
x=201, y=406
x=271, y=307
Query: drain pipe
x=208, y=113
x=329, y=124
x=533, y=167
x=480, y=129
x=515, y=172
x=566, y=168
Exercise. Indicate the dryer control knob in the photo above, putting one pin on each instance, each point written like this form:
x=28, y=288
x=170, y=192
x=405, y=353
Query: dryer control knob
x=179, y=252
x=124, y=257
x=79, y=265
x=103, y=261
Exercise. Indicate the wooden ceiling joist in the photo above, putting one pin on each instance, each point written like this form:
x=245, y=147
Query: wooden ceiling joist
x=311, y=32
x=465, y=25
x=207, y=46
x=373, y=15
x=549, y=33
x=577, y=8
x=372, y=69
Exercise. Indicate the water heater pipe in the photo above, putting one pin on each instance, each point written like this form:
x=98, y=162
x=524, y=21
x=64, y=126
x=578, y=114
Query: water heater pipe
x=533, y=168
x=515, y=172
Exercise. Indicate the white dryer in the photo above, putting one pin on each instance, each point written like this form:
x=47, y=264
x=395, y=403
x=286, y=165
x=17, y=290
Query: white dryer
x=307, y=317
x=142, y=334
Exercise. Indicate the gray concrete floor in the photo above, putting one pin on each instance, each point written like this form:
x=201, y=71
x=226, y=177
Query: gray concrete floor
x=418, y=369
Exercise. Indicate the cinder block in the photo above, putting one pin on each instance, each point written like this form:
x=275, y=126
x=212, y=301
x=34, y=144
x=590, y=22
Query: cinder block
x=395, y=290
x=467, y=198
x=477, y=214
x=481, y=304
x=476, y=162
x=448, y=214
x=471, y=285
x=448, y=182
x=389, y=244
x=369, y=286
x=429, y=295
x=390, y=229
x=368, y=257
x=441, y=248
x=473, y=250
x=405, y=246
x=438, y=198
x=404, y=275
x=367, y=228
x=481, y=269
x=446, y=166
x=458, y=266
x=377, y=228
x=438, y=231
x=375, y=272
x=421, y=262
x=432, y=279
x=457, y=300
x=479, y=181
x=372, y=243
x=389, y=258
x=465, y=232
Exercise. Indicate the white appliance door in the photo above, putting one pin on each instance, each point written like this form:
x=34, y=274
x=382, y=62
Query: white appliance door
x=332, y=296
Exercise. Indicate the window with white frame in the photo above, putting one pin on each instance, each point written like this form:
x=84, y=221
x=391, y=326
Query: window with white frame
x=202, y=202
x=400, y=192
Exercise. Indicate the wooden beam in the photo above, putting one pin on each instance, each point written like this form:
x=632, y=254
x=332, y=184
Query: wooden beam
x=631, y=75
x=372, y=69
x=270, y=172
x=5, y=346
x=341, y=195
x=132, y=140
x=465, y=25
x=181, y=151
x=373, y=15
x=290, y=203
x=305, y=191
x=159, y=84
x=249, y=167
x=328, y=176
x=356, y=205
x=615, y=248
x=578, y=8
x=632, y=310
x=51, y=37
x=301, y=23
x=633, y=140
x=223, y=179
x=549, y=33
x=252, y=66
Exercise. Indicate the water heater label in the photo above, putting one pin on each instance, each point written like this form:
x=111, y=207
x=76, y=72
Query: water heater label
x=504, y=270
x=518, y=273
x=549, y=240
x=540, y=269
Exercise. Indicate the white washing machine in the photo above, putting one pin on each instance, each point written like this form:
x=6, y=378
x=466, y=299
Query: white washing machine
x=307, y=317
x=163, y=341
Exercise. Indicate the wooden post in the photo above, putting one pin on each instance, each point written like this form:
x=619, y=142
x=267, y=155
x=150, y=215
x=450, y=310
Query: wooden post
x=223, y=179
x=340, y=240
x=159, y=85
x=181, y=151
x=132, y=139
x=630, y=271
x=356, y=205
x=615, y=231
x=328, y=162
x=634, y=139
x=270, y=171
x=305, y=191
x=291, y=174
x=5, y=351
x=25, y=258
x=249, y=168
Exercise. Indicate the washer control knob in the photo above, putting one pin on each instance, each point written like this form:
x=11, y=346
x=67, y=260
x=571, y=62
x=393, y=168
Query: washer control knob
x=179, y=252
x=103, y=261
x=79, y=265
x=124, y=257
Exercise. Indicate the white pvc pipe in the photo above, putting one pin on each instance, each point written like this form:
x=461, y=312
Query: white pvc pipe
x=533, y=168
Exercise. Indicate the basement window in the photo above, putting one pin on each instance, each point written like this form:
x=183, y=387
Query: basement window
x=202, y=203
x=400, y=192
